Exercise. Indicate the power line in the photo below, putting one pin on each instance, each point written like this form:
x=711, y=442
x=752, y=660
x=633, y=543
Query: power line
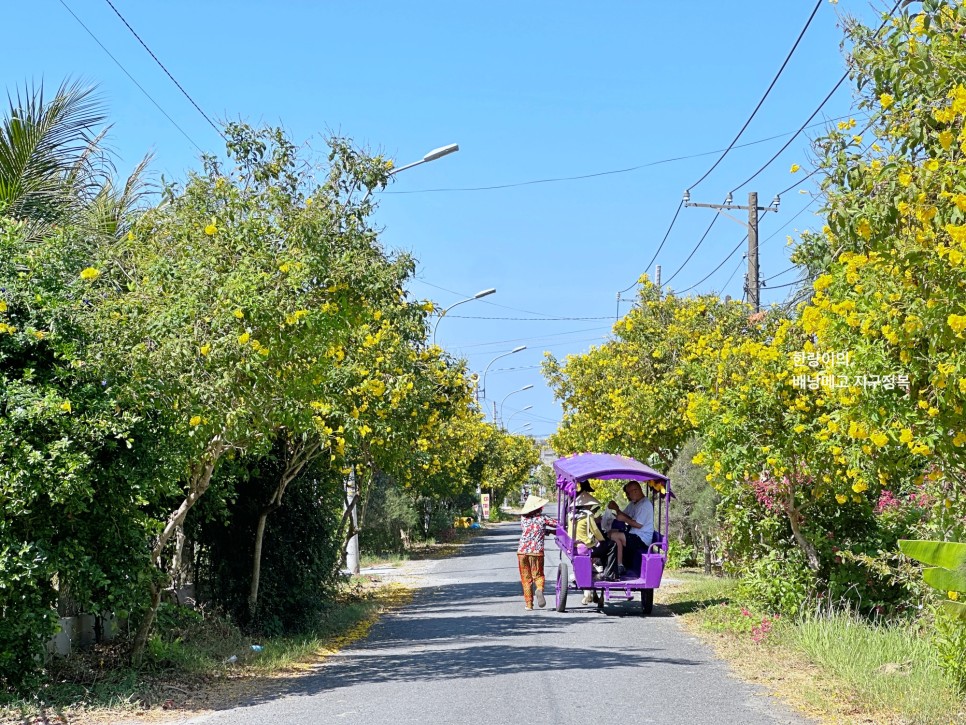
x=596, y=174
x=693, y=251
x=133, y=80
x=533, y=339
x=743, y=240
x=771, y=85
x=528, y=319
x=767, y=91
x=804, y=125
x=485, y=302
x=722, y=264
x=173, y=79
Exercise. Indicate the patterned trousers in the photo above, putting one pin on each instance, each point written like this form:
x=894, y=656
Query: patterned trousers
x=531, y=572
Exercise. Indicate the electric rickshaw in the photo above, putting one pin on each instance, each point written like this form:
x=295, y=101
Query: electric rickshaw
x=576, y=570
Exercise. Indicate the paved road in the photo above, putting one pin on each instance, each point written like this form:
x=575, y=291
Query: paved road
x=466, y=651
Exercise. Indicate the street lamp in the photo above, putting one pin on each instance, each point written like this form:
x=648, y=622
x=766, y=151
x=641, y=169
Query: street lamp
x=482, y=388
x=431, y=156
x=524, y=427
x=512, y=416
x=525, y=387
x=442, y=314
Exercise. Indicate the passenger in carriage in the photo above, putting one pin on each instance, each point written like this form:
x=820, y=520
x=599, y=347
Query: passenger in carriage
x=638, y=516
x=590, y=539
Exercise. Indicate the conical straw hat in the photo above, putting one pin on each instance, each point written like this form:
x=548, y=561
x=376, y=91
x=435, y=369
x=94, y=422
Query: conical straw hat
x=533, y=503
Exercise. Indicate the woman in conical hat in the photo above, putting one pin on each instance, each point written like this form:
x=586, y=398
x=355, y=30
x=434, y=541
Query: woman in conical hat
x=530, y=552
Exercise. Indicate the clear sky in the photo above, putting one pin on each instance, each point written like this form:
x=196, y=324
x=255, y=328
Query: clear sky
x=531, y=91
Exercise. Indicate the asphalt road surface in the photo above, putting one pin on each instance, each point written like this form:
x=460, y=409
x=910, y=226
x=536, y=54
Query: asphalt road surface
x=466, y=651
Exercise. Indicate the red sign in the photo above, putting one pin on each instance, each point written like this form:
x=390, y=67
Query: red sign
x=486, y=506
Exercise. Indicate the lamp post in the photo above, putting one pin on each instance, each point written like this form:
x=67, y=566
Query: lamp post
x=431, y=156
x=481, y=391
x=524, y=427
x=442, y=314
x=525, y=387
x=522, y=410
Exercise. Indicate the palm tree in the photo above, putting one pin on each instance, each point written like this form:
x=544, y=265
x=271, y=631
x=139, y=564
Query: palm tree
x=54, y=169
x=50, y=157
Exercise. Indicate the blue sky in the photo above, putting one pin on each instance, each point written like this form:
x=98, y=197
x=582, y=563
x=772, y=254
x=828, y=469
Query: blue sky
x=530, y=91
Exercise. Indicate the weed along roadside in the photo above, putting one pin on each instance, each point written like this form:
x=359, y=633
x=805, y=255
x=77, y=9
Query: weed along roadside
x=210, y=666
x=830, y=664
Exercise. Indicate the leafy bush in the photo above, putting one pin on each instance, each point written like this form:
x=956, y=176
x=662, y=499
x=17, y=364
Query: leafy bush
x=299, y=553
x=779, y=582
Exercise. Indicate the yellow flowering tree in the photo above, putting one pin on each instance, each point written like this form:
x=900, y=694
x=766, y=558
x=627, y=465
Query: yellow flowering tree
x=217, y=306
x=890, y=290
x=629, y=395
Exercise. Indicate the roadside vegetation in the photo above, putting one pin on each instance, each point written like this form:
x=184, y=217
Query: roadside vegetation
x=829, y=662
x=200, y=382
x=817, y=449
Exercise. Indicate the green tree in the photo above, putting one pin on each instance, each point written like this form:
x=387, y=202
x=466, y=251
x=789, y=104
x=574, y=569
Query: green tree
x=220, y=303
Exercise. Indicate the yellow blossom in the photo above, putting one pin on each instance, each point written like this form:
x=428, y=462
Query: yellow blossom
x=957, y=322
x=90, y=273
x=946, y=139
x=211, y=229
x=886, y=100
x=239, y=314
x=905, y=436
x=3, y=306
x=204, y=349
x=932, y=165
x=864, y=229
x=195, y=420
x=841, y=498
x=65, y=406
x=243, y=338
x=953, y=595
x=879, y=438
x=284, y=267
x=795, y=168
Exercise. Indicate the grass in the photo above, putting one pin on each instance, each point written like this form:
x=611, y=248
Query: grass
x=195, y=670
x=834, y=665
x=891, y=668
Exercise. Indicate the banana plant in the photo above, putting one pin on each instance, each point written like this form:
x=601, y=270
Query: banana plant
x=945, y=570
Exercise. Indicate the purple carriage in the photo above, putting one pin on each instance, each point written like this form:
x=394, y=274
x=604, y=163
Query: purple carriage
x=644, y=576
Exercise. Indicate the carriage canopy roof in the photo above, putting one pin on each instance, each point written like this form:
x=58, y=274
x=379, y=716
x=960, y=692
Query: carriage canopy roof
x=583, y=466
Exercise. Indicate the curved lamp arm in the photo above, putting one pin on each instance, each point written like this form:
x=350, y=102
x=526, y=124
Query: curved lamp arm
x=483, y=386
x=442, y=314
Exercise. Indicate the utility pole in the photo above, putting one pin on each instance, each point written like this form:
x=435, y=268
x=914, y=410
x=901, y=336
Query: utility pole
x=753, y=270
x=657, y=276
x=352, y=494
x=752, y=283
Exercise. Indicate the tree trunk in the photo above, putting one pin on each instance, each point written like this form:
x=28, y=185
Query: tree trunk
x=304, y=452
x=794, y=516
x=144, y=628
x=707, y=553
x=197, y=485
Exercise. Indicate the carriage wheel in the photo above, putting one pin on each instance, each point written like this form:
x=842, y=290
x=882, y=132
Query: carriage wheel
x=647, y=601
x=563, y=584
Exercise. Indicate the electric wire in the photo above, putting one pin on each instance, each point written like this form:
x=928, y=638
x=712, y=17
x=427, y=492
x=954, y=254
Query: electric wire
x=528, y=319
x=693, y=251
x=767, y=91
x=804, y=125
x=133, y=80
x=485, y=302
x=598, y=174
x=173, y=79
